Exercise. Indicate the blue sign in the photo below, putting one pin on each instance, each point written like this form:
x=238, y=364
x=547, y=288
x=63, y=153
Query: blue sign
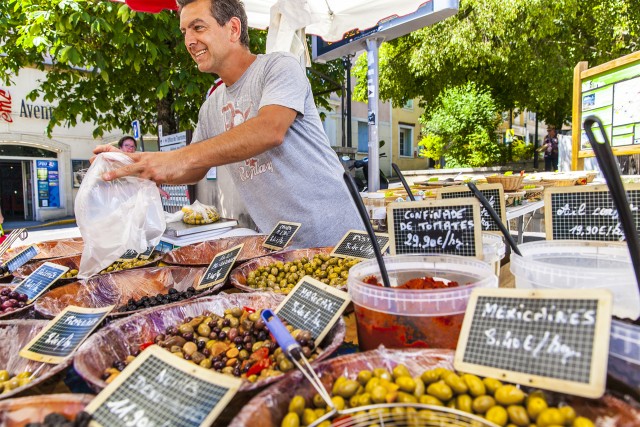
x=136, y=129
x=48, y=183
x=40, y=280
x=21, y=259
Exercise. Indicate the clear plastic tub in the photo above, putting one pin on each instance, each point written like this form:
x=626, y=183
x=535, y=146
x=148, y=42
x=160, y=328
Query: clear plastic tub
x=624, y=353
x=493, y=250
x=401, y=318
x=570, y=264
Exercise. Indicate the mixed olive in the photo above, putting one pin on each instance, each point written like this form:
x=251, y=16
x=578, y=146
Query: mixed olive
x=502, y=404
x=11, y=300
x=173, y=295
x=70, y=274
x=281, y=277
x=124, y=265
x=55, y=419
x=237, y=343
x=9, y=383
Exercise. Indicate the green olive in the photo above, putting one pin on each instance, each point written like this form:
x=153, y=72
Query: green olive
x=379, y=394
x=440, y=390
x=569, y=414
x=297, y=404
x=463, y=403
x=550, y=417
x=491, y=384
x=475, y=385
x=497, y=415
x=518, y=415
x=406, y=383
x=481, y=404
x=290, y=420
x=430, y=376
x=582, y=422
x=420, y=388
x=347, y=388
x=455, y=382
x=427, y=399
x=400, y=371
x=535, y=405
x=509, y=395
x=364, y=377
x=308, y=416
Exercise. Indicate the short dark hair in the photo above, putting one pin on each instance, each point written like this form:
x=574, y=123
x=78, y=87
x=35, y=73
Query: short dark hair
x=222, y=11
x=124, y=138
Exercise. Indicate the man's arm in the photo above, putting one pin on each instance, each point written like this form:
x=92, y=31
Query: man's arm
x=191, y=163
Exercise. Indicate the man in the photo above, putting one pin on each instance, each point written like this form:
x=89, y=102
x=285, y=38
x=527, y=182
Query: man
x=550, y=149
x=261, y=123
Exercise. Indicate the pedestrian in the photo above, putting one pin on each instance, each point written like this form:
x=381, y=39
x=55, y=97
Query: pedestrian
x=550, y=149
x=262, y=125
x=128, y=144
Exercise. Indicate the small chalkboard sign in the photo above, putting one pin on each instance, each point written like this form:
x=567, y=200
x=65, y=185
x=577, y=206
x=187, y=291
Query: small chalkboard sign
x=587, y=212
x=147, y=254
x=128, y=255
x=64, y=334
x=436, y=227
x=22, y=258
x=551, y=339
x=220, y=267
x=40, y=280
x=159, y=389
x=494, y=193
x=357, y=244
x=281, y=235
x=313, y=306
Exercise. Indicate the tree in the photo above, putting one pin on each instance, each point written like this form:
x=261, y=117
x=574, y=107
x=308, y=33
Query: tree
x=108, y=65
x=460, y=127
x=523, y=50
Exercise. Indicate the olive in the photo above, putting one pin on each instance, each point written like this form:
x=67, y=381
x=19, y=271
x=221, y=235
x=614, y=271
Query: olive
x=550, y=417
x=535, y=405
x=518, y=415
x=297, y=405
x=291, y=420
x=491, y=384
x=420, y=388
x=430, y=376
x=347, y=388
x=481, y=404
x=497, y=415
x=364, y=377
x=463, y=403
x=406, y=383
x=400, y=371
x=379, y=394
x=475, y=385
x=569, y=414
x=440, y=390
x=456, y=383
x=427, y=399
x=308, y=416
x=582, y=422
x=509, y=395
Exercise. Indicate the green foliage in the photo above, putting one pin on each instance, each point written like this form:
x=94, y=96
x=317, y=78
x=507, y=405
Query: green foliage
x=109, y=65
x=461, y=126
x=521, y=151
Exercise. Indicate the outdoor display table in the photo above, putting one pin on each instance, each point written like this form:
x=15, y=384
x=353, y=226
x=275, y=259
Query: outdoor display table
x=518, y=213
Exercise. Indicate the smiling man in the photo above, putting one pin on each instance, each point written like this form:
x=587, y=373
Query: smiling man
x=263, y=125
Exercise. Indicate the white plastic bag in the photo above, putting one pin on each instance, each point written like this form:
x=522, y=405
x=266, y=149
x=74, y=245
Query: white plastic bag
x=115, y=216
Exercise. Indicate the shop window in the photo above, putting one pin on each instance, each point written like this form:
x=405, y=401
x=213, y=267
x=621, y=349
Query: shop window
x=25, y=151
x=79, y=168
x=406, y=141
x=363, y=137
x=408, y=105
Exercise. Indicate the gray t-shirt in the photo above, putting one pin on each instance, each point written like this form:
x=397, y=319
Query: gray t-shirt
x=298, y=181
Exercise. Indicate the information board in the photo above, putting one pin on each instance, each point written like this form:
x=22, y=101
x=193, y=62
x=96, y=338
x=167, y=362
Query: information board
x=281, y=235
x=551, y=339
x=159, y=389
x=220, y=267
x=587, y=212
x=357, y=244
x=494, y=193
x=21, y=259
x=313, y=306
x=610, y=92
x=64, y=334
x=40, y=280
x=436, y=227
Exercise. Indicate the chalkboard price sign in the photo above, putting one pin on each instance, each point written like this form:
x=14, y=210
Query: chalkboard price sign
x=494, y=193
x=436, y=227
x=40, y=280
x=552, y=339
x=64, y=334
x=357, y=244
x=22, y=258
x=146, y=254
x=128, y=255
x=587, y=212
x=313, y=306
x=220, y=267
x=159, y=389
x=281, y=235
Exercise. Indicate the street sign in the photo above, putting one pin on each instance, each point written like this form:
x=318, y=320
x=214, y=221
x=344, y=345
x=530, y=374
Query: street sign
x=136, y=129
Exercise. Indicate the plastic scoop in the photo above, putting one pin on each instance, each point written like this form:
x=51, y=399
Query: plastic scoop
x=404, y=181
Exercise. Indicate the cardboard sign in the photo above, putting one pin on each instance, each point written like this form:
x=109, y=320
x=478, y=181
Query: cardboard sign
x=40, y=280
x=22, y=258
x=587, y=212
x=159, y=389
x=128, y=255
x=357, y=244
x=436, y=227
x=494, y=193
x=220, y=267
x=64, y=334
x=551, y=339
x=313, y=306
x=281, y=235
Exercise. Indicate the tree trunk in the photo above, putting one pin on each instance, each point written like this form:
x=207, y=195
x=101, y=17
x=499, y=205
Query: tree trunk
x=166, y=118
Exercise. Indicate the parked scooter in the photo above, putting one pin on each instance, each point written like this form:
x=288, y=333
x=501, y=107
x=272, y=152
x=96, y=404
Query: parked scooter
x=361, y=178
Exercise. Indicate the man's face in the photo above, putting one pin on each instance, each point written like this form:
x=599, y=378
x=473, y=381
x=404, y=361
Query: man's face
x=128, y=146
x=206, y=41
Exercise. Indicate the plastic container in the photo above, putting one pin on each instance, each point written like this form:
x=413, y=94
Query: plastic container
x=377, y=211
x=624, y=353
x=570, y=264
x=493, y=250
x=401, y=318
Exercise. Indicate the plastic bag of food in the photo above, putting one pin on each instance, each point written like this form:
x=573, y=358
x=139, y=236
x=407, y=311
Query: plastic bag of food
x=116, y=216
x=199, y=214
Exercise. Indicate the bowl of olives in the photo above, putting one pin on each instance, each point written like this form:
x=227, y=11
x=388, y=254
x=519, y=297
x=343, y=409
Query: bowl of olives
x=13, y=305
x=220, y=332
x=18, y=374
x=424, y=377
x=49, y=249
x=46, y=410
x=280, y=272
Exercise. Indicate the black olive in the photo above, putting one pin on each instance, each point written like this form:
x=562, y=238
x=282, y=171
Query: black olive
x=173, y=291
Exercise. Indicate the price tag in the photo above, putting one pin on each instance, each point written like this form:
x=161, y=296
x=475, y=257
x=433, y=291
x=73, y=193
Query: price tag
x=220, y=267
x=159, y=389
x=357, y=244
x=313, y=306
x=147, y=254
x=436, y=227
x=551, y=339
x=494, y=193
x=281, y=235
x=64, y=334
x=22, y=258
x=587, y=212
x=40, y=280
x=128, y=255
